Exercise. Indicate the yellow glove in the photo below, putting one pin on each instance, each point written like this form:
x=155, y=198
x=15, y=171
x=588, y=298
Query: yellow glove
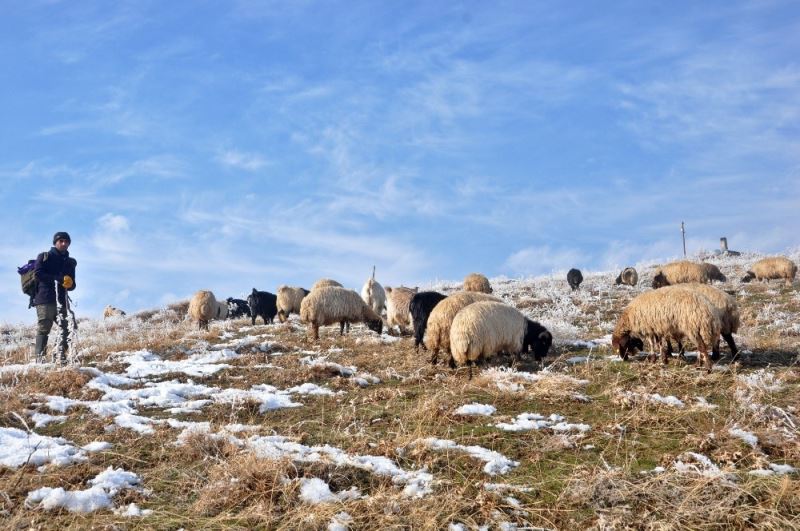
x=67, y=282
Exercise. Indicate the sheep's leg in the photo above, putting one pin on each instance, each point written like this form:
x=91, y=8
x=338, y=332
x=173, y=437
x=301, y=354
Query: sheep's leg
x=665, y=353
x=451, y=362
x=314, y=329
x=469, y=363
x=681, y=350
x=731, y=345
x=707, y=360
x=435, y=356
x=715, y=351
x=341, y=328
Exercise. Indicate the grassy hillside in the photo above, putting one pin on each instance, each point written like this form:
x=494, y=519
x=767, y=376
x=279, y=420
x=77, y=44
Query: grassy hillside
x=258, y=426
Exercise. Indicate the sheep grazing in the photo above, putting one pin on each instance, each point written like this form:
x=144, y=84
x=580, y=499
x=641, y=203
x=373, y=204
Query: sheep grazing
x=771, y=268
x=629, y=277
x=484, y=329
x=324, y=283
x=713, y=273
x=204, y=306
x=727, y=311
x=420, y=308
x=398, y=301
x=477, y=282
x=661, y=315
x=237, y=308
x=262, y=304
x=681, y=272
x=289, y=300
x=374, y=295
x=437, y=334
x=110, y=311
x=329, y=305
x=574, y=278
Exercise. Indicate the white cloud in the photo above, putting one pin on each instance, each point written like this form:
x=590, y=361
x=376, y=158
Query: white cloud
x=242, y=161
x=544, y=259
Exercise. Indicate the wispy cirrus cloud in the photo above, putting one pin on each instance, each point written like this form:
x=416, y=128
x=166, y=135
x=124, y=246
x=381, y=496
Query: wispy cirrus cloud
x=240, y=160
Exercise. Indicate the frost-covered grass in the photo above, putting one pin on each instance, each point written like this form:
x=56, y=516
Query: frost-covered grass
x=158, y=425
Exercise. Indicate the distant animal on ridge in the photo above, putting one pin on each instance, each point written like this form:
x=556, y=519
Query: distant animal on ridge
x=325, y=282
x=574, y=278
x=628, y=276
x=110, y=311
x=776, y=267
x=680, y=272
x=477, y=282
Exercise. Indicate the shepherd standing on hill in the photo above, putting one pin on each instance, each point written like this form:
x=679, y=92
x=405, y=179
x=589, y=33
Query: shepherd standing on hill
x=55, y=275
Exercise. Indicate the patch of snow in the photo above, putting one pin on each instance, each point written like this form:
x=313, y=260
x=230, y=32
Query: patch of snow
x=476, y=409
x=18, y=447
x=43, y=419
x=103, y=488
x=495, y=462
x=314, y=491
x=535, y=421
x=417, y=483
x=746, y=436
x=340, y=522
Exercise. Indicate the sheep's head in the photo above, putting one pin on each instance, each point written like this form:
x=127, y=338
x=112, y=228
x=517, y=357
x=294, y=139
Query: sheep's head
x=748, y=277
x=659, y=281
x=376, y=325
x=626, y=344
x=538, y=339
x=618, y=281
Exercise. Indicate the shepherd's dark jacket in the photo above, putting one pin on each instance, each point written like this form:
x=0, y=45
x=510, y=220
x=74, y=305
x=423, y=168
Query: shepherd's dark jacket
x=51, y=271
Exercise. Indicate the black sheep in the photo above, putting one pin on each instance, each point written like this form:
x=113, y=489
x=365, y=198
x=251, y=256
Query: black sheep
x=574, y=277
x=237, y=308
x=262, y=304
x=420, y=307
x=537, y=339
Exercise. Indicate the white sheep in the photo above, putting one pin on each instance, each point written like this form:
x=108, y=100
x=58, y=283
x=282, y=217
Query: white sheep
x=331, y=304
x=772, y=268
x=483, y=329
x=727, y=310
x=437, y=334
x=477, y=282
x=398, y=301
x=660, y=315
x=204, y=307
x=374, y=295
x=324, y=283
x=289, y=300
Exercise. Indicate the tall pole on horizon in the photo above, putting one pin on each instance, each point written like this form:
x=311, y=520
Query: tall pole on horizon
x=683, y=235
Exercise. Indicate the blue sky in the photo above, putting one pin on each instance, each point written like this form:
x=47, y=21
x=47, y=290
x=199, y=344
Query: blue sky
x=231, y=145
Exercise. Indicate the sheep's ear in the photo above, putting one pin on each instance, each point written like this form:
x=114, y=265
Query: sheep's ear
x=546, y=336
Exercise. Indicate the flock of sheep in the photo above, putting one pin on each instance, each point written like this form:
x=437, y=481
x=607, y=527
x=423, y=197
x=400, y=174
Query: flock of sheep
x=472, y=325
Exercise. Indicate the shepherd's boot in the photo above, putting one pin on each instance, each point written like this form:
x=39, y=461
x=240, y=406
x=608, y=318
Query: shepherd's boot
x=41, y=348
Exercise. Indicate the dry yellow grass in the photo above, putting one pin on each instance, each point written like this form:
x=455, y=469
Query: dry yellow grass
x=600, y=479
